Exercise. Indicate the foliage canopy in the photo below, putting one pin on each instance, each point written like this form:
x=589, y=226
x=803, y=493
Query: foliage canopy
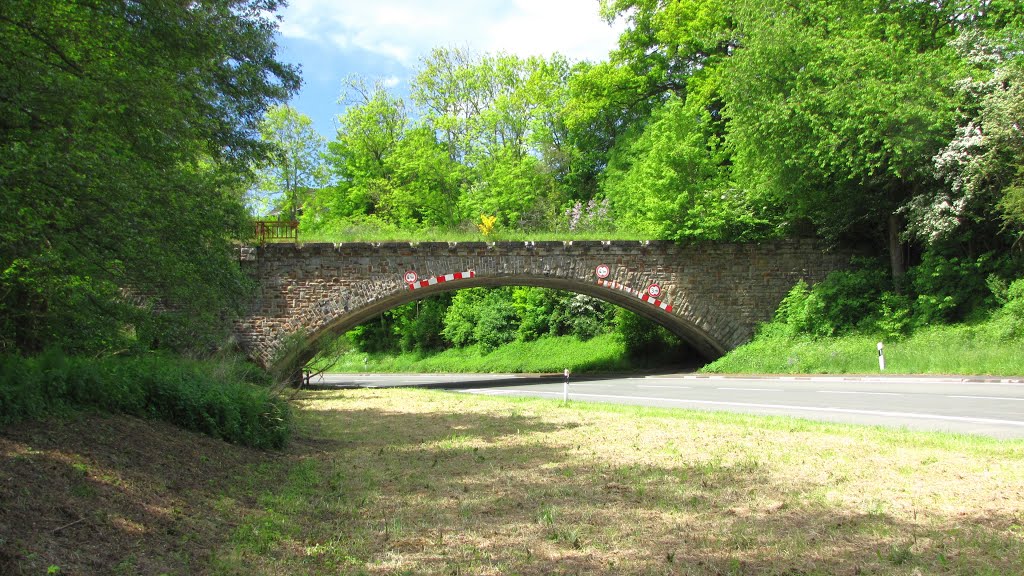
x=126, y=133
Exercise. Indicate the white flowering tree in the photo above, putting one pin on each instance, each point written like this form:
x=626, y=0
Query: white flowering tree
x=983, y=166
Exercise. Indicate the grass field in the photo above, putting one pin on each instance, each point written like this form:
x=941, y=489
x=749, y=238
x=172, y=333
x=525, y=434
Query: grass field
x=389, y=482
x=953, y=349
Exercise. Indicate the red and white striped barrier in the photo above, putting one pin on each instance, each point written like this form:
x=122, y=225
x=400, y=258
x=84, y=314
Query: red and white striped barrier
x=641, y=295
x=440, y=279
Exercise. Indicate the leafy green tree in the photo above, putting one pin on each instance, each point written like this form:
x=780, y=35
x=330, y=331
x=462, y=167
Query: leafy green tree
x=835, y=110
x=431, y=183
x=388, y=169
x=462, y=316
x=127, y=129
x=671, y=182
x=498, y=116
x=669, y=47
x=297, y=169
x=446, y=90
x=369, y=132
x=664, y=168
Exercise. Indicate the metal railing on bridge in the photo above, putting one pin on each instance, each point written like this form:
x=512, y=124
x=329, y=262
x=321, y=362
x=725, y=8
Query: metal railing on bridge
x=265, y=230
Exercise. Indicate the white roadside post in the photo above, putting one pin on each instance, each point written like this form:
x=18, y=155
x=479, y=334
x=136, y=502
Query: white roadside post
x=565, y=386
x=881, y=357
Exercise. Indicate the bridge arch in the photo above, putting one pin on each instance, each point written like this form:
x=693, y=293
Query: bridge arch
x=711, y=295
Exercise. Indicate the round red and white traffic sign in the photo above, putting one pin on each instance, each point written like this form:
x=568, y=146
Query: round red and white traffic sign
x=602, y=271
x=410, y=277
x=654, y=290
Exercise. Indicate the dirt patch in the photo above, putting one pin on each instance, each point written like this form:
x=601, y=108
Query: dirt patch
x=99, y=494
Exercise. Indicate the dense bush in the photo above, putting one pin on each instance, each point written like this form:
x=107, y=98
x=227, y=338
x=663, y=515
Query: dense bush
x=217, y=399
x=497, y=325
x=941, y=289
x=420, y=329
x=534, y=308
x=950, y=288
x=841, y=303
x=1009, y=319
x=416, y=326
x=462, y=316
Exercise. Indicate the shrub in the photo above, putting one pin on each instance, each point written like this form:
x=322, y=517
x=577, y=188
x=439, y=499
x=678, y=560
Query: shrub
x=951, y=288
x=198, y=396
x=534, y=306
x=462, y=316
x=839, y=304
x=894, y=315
x=1009, y=319
x=420, y=327
x=497, y=325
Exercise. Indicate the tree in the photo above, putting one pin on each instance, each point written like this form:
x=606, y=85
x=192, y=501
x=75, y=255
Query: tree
x=388, y=168
x=498, y=116
x=983, y=165
x=835, y=111
x=127, y=129
x=297, y=169
x=654, y=110
x=671, y=183
x=368, y=134
x=668, y=45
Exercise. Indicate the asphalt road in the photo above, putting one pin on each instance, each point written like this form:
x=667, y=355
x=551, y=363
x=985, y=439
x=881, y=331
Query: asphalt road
x=992, y=407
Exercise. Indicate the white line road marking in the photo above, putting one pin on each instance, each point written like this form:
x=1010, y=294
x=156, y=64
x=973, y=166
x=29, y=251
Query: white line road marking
x=988, y=398
x=669, y=387
x=855, y=392
x=751, y=389
x=915, y=415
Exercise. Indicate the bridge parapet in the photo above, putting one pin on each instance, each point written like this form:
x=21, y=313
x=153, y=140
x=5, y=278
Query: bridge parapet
x=712, y=295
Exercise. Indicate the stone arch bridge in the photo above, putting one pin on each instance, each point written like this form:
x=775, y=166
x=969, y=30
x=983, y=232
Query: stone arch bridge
x=712, y=295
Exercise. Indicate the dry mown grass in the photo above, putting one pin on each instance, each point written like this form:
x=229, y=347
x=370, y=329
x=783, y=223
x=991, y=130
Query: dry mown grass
x=426, y=482
x=411, y=482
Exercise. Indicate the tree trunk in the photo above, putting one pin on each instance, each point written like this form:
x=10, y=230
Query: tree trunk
x=896, y=260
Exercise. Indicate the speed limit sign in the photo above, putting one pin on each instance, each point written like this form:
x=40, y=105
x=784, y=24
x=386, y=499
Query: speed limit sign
x=602, y=271
x=654, y=290
x=410, y=277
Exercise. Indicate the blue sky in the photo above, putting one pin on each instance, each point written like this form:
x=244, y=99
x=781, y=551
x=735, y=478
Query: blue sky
x=385, y=39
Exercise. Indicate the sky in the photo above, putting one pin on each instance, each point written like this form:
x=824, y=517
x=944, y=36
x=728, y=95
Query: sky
x=385, y=39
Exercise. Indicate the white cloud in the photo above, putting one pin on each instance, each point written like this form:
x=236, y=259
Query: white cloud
x=406, y=30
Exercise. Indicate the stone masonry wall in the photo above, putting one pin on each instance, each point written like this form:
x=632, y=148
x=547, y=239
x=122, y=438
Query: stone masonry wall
x=718, y=292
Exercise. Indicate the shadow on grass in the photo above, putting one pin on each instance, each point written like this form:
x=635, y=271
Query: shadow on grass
x=451, y=492
x=386, y=490
x=100, y=494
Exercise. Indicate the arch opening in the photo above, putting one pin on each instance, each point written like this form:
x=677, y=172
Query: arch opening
x=703, y=344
